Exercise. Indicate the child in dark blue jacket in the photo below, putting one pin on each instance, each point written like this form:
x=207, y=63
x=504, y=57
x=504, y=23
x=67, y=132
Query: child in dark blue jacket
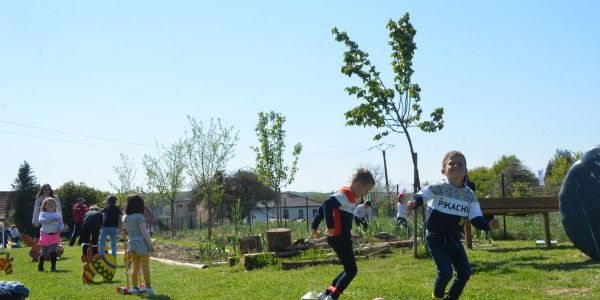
x=448, y=204
x=338, y=212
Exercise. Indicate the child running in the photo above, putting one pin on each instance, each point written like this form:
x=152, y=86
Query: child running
x=338, y=213
x=448, y=204
x=139, y=244
x=52, y=225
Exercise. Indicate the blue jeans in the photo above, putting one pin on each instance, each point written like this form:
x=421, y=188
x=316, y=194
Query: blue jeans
x=448, y=251
x=112, y=232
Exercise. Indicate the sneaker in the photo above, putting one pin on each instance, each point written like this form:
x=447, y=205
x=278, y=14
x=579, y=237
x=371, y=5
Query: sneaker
x=53, y=269
x=135, y=291
x=322, y=295
x=329, y=297
x=150, y=292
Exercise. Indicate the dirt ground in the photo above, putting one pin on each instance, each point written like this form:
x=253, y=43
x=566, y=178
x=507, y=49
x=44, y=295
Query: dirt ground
x=175, y=252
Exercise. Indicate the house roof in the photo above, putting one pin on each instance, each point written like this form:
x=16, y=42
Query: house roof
x=291, y=200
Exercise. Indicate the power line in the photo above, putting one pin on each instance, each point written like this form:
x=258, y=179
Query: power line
x=77, y=134
x=67, y=141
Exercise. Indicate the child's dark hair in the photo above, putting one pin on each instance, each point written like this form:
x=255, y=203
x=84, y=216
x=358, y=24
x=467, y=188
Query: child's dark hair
x=363, y=176
x=452, y=153
x=111, y=200
x=135, y=204
x=368, y=203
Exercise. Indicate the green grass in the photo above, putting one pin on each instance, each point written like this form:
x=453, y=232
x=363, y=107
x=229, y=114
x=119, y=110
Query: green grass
x=507, y=270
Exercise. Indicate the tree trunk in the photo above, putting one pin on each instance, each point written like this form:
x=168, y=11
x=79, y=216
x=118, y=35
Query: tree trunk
x=279, y=239
x=209, y=217
x=250, y=244
x=173, y=230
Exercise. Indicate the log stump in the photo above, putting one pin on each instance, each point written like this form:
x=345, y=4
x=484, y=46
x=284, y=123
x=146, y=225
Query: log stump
x=231, y=261
x=256, y=260
x=250, y=244
x=279, y=239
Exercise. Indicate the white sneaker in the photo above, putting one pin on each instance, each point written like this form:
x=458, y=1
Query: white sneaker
x=322, y=295
x=329, y=297
x=150, y=292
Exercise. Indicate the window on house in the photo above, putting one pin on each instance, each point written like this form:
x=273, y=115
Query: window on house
x=180, y=205
x=314, y=211
x=301, y=214
x=286, y=214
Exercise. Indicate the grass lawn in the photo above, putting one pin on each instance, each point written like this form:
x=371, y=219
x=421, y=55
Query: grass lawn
x=508, y=270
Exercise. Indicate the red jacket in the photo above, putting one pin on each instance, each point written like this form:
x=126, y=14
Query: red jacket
x=79, y=212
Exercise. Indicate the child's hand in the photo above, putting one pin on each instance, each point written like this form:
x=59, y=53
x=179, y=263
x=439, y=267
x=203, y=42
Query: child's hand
x=494, y=224
x=315, y=234
x=411, y=205
x=330, y=231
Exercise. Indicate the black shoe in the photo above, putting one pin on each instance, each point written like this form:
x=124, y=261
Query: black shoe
x=53, y=269
x=41, y=268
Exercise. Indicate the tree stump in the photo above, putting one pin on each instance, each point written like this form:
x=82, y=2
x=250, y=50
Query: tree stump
x=231, y=261
x=250, y=244
x=256, y=260
x=279, y=239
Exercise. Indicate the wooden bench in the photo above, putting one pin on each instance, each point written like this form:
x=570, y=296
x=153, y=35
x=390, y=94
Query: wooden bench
x=516, y=207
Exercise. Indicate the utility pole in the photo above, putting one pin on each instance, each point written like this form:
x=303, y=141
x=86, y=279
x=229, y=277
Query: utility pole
x=383, y=147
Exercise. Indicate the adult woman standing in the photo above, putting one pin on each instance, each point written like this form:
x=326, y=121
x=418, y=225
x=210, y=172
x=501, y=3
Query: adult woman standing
x=44, y=193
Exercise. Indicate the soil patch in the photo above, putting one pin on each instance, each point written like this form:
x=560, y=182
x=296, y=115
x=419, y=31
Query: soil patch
x=176, y=252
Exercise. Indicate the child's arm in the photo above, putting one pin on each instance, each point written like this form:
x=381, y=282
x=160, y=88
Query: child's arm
x=419, y=198
x=477, y=219
x=45, y=218
x=146, y=236
x=316, y=221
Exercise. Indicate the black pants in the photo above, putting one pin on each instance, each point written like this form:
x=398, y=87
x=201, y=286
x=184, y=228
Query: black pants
x=362, y=222
x=343, y=248
x=448, y=252
x=89, y=238
x=76, y=232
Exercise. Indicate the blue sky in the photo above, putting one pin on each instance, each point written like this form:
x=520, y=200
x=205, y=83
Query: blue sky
x=514, y=77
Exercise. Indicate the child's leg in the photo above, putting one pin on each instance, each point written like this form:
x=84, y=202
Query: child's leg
x=460, y=262
x=43, y=253
x=145, y=261
x=343, y=248
x=135, y=259
x=438, y=248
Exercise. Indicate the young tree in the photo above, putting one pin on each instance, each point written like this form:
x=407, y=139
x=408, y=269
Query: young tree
x=23, y=198
x=69, y=193
x=270, y=165
x=516, y=175
x=390, y=109
x=166, y=174
x=208, y=150
x=125, y=174
x=557, y=169
x=244, y=186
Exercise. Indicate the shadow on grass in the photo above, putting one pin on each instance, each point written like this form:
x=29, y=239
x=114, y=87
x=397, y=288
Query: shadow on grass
x=161, y=297
x=517, y=249
x=568, y=267
x=505, y=266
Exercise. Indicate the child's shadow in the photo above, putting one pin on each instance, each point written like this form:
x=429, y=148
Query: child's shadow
x=61, y=271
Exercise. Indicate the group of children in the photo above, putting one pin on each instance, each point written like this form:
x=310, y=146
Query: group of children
x=448, y=205
x=105, y=222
